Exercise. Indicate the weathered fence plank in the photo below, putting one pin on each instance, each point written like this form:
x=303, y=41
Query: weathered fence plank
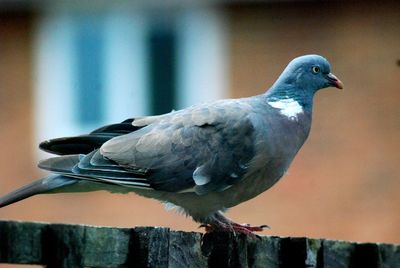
x=62, y=245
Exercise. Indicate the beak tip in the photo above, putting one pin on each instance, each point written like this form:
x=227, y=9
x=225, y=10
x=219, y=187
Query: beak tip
x=339, y=84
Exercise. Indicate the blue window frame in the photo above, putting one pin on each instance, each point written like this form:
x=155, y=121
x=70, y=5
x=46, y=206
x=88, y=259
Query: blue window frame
x=162, y=69
x=89, y=49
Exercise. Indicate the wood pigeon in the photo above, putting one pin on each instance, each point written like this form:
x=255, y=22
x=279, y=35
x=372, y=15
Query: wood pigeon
x=201, y=160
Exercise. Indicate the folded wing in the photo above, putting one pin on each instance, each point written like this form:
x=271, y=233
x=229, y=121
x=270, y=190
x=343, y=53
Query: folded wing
x=202, y=149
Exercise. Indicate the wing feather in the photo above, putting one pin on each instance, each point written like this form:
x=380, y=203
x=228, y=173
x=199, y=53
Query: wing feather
x=79, y=167
x=218, y=138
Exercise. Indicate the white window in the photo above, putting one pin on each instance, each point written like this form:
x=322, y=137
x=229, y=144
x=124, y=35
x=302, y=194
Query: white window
x=96, y=69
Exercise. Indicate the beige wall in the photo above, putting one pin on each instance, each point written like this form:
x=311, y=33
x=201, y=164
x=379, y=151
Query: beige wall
x=16, y=158
x=345, y=182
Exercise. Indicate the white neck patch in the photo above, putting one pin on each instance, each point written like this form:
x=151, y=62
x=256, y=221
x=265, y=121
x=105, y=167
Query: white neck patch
x=288, y=107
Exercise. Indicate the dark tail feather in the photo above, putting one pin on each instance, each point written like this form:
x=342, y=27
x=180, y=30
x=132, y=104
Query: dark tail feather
x=74, y=145
x=37, y=187
x=84, y=144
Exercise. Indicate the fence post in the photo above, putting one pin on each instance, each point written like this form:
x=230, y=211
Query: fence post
x=63, y=245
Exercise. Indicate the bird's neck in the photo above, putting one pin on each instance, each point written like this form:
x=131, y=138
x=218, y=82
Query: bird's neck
x=303, y=97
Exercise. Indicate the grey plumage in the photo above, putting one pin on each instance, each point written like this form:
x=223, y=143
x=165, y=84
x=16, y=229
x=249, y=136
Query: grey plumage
x=203, y=159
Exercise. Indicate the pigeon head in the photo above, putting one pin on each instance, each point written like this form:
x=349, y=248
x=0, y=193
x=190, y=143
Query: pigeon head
x=307, y=74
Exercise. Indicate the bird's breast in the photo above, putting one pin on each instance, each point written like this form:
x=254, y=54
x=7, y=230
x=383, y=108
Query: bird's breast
x=276, y=147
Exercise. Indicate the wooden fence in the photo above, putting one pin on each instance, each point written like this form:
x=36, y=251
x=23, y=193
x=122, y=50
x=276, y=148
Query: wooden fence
x=62, y=245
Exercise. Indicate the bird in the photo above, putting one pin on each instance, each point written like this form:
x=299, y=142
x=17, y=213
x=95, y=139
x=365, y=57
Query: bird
x=201, y=160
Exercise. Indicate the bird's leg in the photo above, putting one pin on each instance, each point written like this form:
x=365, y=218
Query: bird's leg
x=219, y=223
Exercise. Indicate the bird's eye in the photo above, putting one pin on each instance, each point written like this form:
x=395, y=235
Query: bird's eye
x=316, y=69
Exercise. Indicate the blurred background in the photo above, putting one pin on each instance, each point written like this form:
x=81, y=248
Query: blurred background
x=67, y=67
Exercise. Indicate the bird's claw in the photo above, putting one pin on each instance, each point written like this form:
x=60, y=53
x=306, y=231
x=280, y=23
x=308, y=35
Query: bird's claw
x=246, y=229
x=258, y=228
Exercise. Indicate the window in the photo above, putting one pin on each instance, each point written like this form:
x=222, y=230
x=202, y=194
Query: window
x=89, y=71
x=95, y=69
x=162, y=70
